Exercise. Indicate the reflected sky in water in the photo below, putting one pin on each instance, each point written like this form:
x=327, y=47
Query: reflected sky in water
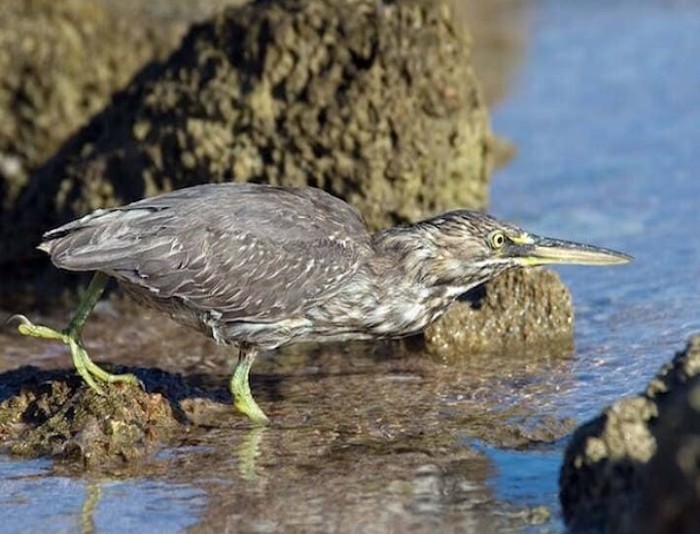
x=43, y=503
x=606, y=119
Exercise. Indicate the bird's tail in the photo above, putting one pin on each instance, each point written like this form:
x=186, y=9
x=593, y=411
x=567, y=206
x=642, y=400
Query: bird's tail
x=100, y=241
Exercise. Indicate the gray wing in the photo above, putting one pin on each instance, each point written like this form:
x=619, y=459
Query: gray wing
x=249, y=252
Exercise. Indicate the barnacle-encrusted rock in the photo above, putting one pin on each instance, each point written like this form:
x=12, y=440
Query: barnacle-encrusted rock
x=635, y=467
x=60, y=63
x=55, y=414
x=375, y=102
x=521, y=308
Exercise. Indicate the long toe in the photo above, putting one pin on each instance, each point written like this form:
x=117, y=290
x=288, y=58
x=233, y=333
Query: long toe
x=83, y=362
x=127, y=378
x=27, y=328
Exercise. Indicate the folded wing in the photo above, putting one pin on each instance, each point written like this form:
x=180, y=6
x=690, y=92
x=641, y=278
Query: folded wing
x=248, y=252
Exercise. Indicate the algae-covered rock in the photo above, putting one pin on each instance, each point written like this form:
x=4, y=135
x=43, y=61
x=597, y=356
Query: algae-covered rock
x=635, y=467
x=374, y=102
x=55, y=414
x=60, y=63
x=521, y=308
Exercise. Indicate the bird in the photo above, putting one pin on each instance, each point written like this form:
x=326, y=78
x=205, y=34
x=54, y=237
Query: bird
x=259, y=267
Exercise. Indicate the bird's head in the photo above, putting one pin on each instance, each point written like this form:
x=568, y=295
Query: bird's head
x=462, y=249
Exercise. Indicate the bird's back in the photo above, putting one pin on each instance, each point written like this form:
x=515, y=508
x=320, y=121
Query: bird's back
x=221, y=252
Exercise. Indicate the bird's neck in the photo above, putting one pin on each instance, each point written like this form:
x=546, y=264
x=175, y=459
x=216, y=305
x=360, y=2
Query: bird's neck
x=395, y=292
x=409, y=254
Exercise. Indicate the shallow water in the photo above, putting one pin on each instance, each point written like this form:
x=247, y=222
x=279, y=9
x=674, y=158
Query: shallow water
x=33, y=499
x=606, y=119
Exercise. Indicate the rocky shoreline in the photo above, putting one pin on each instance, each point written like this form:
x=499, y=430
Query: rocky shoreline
x=378, y=104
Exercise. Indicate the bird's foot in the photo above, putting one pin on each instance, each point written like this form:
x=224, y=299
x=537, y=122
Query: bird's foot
x=242, y=397
x=86, y=368
x=250, y=408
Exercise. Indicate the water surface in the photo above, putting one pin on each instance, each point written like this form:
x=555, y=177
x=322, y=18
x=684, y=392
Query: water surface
x=606, y=119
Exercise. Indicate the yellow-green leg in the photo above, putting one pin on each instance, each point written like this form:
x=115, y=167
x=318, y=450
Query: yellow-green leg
x=240, y=387
x=85, y=367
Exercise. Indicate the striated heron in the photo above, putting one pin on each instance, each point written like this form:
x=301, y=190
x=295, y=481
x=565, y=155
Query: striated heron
x=259, y=267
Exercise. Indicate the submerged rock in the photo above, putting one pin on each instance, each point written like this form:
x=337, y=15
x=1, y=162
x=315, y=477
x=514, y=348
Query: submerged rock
x=373, y=102
x=523, y=308
x=635, y=467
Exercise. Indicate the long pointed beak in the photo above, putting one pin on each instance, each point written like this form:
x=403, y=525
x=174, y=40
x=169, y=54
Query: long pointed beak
x=543, y=250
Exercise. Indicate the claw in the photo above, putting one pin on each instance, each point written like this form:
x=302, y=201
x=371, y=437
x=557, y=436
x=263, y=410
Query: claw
x=28, y=328
x=21, y=319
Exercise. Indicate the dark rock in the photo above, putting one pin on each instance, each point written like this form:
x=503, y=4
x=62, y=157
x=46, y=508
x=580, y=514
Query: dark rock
x=635, y=467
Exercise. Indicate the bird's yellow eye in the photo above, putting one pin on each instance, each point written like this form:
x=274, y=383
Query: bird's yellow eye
x=497, y=240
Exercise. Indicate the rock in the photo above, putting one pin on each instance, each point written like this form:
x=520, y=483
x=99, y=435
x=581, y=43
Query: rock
x=60, y=63
x=54, y=414
x=499, y=31
x=374, y=102
x=521, y=308
x=635, y=467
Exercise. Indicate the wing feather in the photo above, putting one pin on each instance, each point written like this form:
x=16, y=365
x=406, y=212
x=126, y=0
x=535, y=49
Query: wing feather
x=248, y=252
